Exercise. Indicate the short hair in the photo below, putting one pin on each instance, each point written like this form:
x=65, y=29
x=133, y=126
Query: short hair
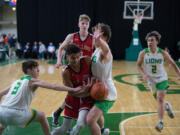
x=93, y=28
x=106, y=29
x=30, y=64
x=84, y=16
x=70, y=49
x=154, y=34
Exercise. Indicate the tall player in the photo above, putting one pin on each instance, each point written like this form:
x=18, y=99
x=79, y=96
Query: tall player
x=84, y=40
x=154, y=73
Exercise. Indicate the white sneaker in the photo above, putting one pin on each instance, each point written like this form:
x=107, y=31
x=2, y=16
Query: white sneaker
x=105, y=131
x=159, y=126
x=169, y=110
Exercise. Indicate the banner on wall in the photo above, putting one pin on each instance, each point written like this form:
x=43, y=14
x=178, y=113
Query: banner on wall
x=12, y=2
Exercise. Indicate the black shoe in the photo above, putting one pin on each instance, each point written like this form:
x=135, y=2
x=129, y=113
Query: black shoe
x=55, y=119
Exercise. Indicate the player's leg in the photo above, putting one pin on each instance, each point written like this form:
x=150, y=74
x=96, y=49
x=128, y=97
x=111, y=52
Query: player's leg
x=101, y=121
x=161, y=108
x=152, y=86
x=161, y=92
x=93, y=116
x=168, y=106
x=96, y=113
x=104, y=131
x=57, y=113
x=81, y=122
x=63, y=128
x=40, y=117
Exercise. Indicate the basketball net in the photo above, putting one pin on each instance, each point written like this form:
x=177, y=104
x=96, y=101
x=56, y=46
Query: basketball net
x=138, y=19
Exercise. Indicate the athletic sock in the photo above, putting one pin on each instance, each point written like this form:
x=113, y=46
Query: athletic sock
x=58, y=111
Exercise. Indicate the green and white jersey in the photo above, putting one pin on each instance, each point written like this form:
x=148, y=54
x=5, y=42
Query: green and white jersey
x=154, y=65
x=19, y=95
x=104, y=73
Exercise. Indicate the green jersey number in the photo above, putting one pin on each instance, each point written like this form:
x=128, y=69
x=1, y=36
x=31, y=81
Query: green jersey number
x=94, y=58
x=16, y=88
x=154, y=68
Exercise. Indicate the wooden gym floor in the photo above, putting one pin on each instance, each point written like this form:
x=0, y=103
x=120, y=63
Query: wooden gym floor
x=135, y=109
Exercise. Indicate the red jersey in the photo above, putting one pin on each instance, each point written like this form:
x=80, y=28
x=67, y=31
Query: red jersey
x=86, y=46
x=78, y=78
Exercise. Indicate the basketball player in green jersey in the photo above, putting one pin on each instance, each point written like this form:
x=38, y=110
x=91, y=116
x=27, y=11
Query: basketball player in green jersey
x=155, y=74
x=14, y=109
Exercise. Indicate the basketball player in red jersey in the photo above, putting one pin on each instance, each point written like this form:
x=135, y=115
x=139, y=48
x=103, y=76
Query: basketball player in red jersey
x=84, y=40
x=78, y=104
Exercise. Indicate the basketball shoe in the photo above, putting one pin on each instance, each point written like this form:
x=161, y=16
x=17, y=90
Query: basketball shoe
x=169, y=110
x=159, y=126
x=105, y=131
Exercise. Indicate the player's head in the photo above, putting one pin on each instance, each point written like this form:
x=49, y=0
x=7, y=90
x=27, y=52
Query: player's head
x=153, y=38
x=73, y=53
x=31, y=68
x=105, y=29
x=84, y=21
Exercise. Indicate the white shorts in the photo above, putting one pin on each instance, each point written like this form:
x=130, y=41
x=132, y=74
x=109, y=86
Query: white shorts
x=16, y=117
x=152, y=86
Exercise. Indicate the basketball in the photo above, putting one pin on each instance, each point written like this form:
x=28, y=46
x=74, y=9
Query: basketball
x=99, y=91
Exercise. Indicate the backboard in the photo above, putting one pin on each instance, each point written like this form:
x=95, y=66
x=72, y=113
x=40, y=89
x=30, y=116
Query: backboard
x=134, y=8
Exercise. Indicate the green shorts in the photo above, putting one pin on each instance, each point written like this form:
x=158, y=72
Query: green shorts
x=162, y=85
x=104, y=105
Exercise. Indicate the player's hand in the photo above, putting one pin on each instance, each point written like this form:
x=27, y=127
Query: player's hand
x=97, y=33
x=86, y=86
x=94, y=80
x=58, y=65
x=79, y=88
x=145, y=77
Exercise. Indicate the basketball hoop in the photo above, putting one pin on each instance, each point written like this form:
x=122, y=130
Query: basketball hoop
x=138, y=19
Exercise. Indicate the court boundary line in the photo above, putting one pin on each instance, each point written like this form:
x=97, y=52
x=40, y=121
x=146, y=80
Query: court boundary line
x=122, y=131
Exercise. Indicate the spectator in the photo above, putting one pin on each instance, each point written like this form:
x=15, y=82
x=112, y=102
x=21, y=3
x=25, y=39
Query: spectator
x=35, y=50
x=27, y=50
x=51, y=51
x=19, y=51
x=11, y=42
x=6, y=44
x=42, y=50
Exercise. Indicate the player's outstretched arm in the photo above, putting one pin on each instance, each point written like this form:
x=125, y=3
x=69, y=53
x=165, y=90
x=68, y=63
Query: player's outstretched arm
x=103, y=44
x=67, y=41
x=57, y=87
